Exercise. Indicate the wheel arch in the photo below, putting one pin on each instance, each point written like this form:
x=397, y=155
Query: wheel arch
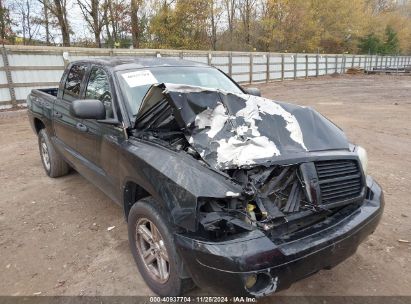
x=132, y=192
x=38, y=125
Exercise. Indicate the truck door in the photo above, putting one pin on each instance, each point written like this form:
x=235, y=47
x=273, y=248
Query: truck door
x=65, y=126
x=98, y=141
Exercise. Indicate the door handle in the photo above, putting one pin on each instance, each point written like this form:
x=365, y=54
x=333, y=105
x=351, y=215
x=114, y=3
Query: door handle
x=81, y=127
x=57, y=114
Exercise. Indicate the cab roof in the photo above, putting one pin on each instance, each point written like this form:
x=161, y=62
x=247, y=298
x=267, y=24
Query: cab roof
x=126, y=63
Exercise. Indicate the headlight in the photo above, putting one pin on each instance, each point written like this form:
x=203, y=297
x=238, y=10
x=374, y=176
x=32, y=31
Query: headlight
x=362, y=155
x=250, y=281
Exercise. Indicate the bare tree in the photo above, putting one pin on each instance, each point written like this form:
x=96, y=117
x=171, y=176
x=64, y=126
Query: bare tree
x=247, y=13
x=135, y=29
x=231, y=7
x=46, y=23
x=112, y=24
x=44, y=19
x=215, y=15
x=118, y=25
x=95, y=16
x=29, y=27
x=105, y=8
x=59, y=9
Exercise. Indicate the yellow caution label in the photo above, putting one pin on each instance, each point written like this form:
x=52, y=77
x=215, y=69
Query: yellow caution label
x=250, y=207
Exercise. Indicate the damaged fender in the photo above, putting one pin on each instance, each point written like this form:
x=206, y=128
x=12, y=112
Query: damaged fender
x=176, y=179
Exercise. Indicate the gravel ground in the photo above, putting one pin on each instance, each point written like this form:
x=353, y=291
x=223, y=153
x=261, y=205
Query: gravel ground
x=53, y=232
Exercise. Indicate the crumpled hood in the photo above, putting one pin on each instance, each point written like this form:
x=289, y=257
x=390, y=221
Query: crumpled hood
x=238, y=130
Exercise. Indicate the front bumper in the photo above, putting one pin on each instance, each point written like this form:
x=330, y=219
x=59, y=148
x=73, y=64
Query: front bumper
x=224, y=266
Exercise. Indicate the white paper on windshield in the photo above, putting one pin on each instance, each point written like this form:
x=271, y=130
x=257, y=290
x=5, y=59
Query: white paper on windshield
x=139, y=78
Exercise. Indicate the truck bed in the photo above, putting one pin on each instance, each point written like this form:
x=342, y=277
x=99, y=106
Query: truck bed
x=41, y=96
x=40, y=103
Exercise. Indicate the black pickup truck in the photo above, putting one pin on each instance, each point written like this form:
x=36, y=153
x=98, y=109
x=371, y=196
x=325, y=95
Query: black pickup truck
x=220, y=187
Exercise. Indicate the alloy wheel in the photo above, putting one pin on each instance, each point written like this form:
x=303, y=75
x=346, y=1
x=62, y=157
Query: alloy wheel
x=152, y=250
x=45, y=154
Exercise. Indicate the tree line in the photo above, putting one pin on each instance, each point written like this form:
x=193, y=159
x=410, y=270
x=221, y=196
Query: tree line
x=323, y=26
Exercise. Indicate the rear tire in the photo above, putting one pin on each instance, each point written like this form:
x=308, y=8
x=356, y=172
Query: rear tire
x=151, y=237
x=53, y=163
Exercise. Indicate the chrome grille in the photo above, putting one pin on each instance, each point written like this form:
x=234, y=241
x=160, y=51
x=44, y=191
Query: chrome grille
x=339, y=180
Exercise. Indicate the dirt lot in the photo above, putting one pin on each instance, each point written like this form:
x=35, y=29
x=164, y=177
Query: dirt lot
x=53, y=232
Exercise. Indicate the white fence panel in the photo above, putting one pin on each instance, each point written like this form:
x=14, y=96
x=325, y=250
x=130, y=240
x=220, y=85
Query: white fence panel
x=24, y=68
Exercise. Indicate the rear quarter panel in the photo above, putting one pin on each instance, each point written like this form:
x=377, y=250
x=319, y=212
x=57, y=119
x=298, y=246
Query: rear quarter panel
x=40, y=106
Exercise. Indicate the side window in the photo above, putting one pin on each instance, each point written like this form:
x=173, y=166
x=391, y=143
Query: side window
x=73, y=82
x=98, y=87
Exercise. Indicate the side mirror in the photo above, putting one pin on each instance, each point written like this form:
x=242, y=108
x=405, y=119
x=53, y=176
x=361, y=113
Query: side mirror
x=88, y=109
x=252, y=91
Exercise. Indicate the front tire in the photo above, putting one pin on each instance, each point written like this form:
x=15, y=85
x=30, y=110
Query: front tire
x=151, y=240
x=53, y=163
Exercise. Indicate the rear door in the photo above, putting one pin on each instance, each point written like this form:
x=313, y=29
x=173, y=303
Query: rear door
x=66, y=126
